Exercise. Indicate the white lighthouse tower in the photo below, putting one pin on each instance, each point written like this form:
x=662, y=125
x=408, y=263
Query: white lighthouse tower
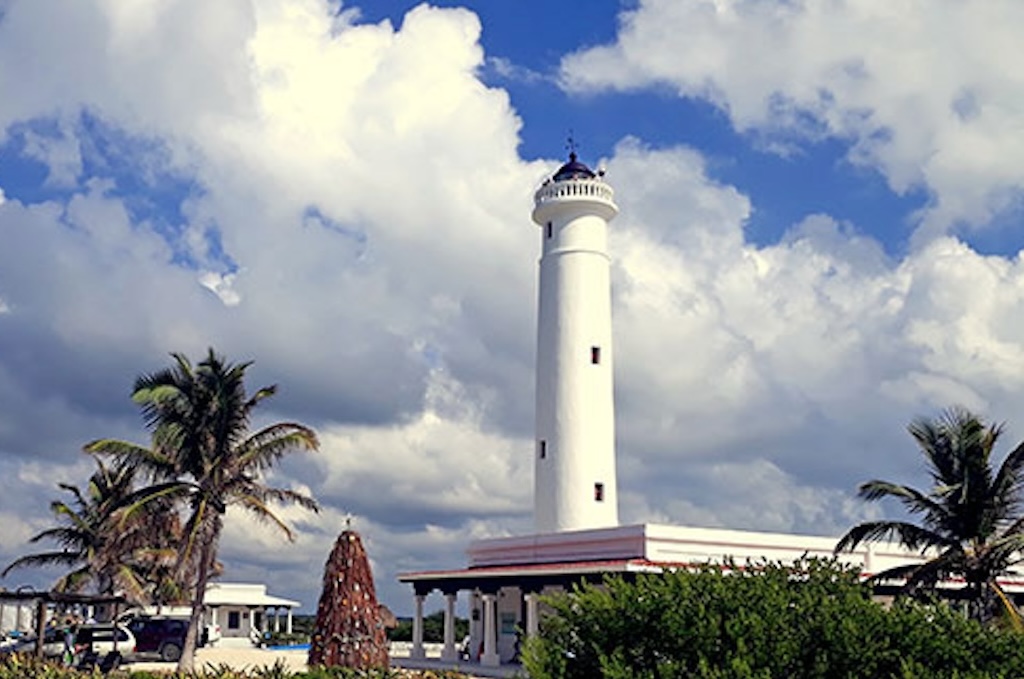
x=574, y=481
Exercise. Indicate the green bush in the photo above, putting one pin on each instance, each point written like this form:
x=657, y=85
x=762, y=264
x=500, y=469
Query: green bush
x=286, y=639
x=433, y=628
x=763, y=621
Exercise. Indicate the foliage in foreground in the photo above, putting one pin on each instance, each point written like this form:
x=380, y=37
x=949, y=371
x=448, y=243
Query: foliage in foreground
x=763, y=622
x=21, y=667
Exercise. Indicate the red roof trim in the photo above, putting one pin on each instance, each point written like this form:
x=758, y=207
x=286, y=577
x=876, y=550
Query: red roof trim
x=613, y=565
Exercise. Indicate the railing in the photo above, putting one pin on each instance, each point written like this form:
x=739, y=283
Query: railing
x=574, y=188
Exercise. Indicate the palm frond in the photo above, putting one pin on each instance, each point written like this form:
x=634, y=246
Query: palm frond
x=1004, y=551
x=922, y=576
x=144, y=497
x=68, y=536
x=264, y=514
x=914, y=500
x=285, y=496
x=43, y=559
x=1010, y=479
x=153, y=460
x=268, y=445
x=911, y=536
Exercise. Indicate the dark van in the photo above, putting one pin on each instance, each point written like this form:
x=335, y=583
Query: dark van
x=164, y=637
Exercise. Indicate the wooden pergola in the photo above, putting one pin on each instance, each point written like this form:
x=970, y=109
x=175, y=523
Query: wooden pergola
x=43, y=598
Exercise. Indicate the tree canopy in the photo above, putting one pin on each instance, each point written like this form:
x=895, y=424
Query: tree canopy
x=107, y=550
x=204, y=458
x=969, y=521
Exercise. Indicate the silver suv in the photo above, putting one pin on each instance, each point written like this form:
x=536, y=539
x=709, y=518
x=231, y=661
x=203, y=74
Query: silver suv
x=103, y=645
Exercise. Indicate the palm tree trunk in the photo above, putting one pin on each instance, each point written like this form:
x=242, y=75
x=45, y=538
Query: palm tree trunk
x=187, y=660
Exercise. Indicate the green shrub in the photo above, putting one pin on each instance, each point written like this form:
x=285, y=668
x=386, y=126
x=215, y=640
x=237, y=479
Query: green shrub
x=433, y=628
x=763, y=621
x=286, y=639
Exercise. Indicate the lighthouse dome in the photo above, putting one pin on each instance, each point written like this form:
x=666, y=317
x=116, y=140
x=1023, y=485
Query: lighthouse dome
x=574, y=169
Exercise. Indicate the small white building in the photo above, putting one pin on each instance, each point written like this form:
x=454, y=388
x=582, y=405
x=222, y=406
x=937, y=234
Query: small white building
x=241, y=613
x=245, y=612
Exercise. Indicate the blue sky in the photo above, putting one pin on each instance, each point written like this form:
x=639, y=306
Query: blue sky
x=818, y=240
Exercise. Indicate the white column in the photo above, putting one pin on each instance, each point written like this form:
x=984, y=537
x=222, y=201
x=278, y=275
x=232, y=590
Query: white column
x=214, y=621
x=417, y=630
x=532, y=622
x=476, y=625
x=277, y=620
x=490, y=657
x=288, y=622
x=449, y=653
x=252, y=624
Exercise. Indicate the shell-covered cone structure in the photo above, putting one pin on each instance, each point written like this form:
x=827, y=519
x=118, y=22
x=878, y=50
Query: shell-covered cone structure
x=349, y=629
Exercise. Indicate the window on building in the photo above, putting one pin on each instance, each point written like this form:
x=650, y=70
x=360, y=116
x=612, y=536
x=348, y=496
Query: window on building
x=595, y=355
x=550, y=230
x=234, y=620
x=543, y=449
x=599, y=492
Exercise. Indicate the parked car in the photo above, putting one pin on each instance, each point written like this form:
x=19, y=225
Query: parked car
x=103, y=645
x=161, y=636
x=210, y=634
x=53, y=644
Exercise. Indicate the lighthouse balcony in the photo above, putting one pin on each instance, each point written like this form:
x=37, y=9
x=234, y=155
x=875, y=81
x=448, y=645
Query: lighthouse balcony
x=574, y=190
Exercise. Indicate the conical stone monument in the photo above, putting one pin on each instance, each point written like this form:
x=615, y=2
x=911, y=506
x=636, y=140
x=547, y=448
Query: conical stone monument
x=349, y=628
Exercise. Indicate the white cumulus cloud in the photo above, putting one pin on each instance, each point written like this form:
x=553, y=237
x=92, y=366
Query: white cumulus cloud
x=926, y=91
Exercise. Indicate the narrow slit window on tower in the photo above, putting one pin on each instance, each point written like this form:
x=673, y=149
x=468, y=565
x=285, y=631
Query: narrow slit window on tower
x=598, y=492
x=542, y=448
x=550, y=229
x=595, y=355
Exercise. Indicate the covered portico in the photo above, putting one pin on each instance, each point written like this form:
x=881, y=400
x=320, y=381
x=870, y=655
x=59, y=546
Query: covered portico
x=503, y=602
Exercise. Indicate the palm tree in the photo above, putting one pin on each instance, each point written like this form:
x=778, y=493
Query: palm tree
x=110, y=555
x=205, y=457
x=970, y=520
